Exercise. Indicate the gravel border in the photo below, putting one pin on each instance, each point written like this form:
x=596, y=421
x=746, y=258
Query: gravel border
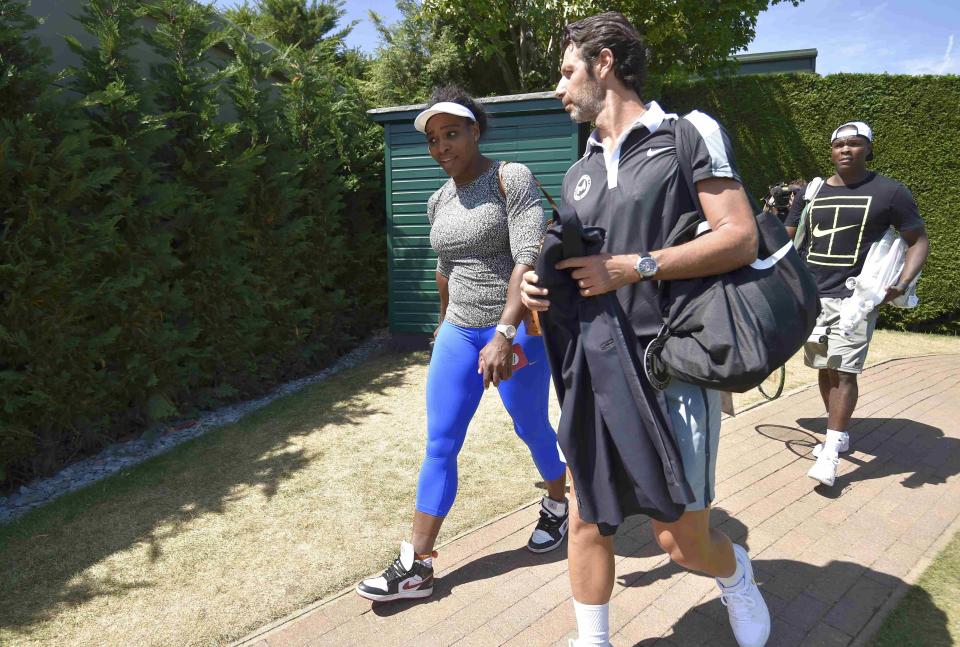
x=123, y=455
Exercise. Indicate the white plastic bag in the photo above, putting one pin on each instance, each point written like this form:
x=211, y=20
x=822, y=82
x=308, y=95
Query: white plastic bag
x=881, y=269
x=909, y=298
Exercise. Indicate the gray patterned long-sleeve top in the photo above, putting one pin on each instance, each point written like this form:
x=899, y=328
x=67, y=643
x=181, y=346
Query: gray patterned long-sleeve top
x=479, y=236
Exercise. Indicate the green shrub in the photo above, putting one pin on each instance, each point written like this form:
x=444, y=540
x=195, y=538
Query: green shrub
x=172, y=242
x=781, y=123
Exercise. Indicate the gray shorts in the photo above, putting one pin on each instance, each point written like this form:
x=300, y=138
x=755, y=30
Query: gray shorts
x=840, y=353
x=695, y=418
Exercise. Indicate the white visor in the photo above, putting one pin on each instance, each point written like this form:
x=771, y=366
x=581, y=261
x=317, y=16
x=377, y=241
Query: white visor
x=448, y=107
x=854, y=128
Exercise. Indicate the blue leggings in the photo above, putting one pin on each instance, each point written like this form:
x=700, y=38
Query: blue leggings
x=454, y=389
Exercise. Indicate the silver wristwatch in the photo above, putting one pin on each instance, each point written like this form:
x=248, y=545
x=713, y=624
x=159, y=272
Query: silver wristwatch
x=646, y=266
x=507, y=331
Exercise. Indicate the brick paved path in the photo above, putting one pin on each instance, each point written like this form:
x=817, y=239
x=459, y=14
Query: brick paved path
x=830, y=561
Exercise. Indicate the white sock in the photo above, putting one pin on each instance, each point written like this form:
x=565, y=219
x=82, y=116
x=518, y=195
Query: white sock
x=733, y=579
x=558, y=508
x=593, y=624
x=832, y=443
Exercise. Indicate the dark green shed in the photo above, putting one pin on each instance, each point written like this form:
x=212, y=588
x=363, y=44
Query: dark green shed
x=528, y=128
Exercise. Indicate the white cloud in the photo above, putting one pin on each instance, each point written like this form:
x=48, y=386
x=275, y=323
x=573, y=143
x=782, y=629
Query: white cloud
x=945, y=64
x=947, y=57
x=869, y=14
x=854, y=49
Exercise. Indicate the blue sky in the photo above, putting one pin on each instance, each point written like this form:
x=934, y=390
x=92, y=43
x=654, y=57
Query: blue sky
x=895, y=36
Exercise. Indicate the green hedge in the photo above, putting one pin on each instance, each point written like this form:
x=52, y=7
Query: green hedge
x=781, y=123
x=158, y=257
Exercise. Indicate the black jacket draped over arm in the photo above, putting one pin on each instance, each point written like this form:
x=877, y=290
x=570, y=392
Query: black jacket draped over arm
x=614, y=428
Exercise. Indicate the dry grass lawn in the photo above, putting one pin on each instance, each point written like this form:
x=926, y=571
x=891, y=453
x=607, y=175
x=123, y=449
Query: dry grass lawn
x=258, y=519
x=250, y=522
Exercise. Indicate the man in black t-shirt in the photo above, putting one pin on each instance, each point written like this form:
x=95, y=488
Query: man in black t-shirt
x=852, y=210
x=629, y=183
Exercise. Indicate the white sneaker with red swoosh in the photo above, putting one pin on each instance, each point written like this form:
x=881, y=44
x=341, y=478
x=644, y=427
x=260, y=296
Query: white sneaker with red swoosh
x=408, y=577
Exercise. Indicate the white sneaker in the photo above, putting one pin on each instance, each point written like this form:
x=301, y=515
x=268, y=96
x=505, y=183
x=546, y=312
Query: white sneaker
x=825, y=469
x=748, y=614
x=843, y=448
x=552, y=527
x=407, y=577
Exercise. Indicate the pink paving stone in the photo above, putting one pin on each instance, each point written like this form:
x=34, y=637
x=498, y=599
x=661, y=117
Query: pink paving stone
x=556, y=623
x=471, y=617
x=515, y=619
x=483, y=637
x=687, y=592
x=693, y=630
x=551, y=593
x=529, y=637
x=652, y=622
x=826, y=558
x=825, y=636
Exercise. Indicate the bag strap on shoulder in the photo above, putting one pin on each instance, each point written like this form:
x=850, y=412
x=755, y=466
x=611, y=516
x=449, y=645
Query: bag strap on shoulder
x=686, y=169
x=503, y=189
x=800, y=238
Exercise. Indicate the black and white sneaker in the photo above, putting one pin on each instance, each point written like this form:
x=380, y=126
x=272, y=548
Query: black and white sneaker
x=407, y=577
x=552, y=527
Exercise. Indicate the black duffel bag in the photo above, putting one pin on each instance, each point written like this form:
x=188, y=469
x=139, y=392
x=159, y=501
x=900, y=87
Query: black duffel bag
x=730, y=331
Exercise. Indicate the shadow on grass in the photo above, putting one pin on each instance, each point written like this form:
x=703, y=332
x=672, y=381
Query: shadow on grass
x=45, y=556
x=897, y=445
x=812, y=605
x=917, y=621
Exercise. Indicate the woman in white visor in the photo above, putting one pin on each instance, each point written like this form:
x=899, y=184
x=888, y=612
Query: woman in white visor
x=486, y=224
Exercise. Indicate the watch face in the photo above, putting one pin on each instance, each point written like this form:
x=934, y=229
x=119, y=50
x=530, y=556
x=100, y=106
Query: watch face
x=647, y=266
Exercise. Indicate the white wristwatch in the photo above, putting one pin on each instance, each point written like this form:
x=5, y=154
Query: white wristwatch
x=507, y=331
x=646, y=266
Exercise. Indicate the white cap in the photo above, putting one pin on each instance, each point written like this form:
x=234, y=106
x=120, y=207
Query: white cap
x=859, y=128
x=447, y=107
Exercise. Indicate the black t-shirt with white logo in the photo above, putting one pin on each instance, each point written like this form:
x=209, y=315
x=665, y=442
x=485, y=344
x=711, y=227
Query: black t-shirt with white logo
x=845, y=220
x=648, y=197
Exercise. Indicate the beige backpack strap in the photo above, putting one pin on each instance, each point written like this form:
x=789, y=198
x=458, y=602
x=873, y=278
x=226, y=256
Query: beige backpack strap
x=546, y=195
x=536, y=181
x=503, y=189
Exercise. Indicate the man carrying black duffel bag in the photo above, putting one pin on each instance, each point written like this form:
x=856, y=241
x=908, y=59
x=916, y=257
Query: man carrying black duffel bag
x=630, y=185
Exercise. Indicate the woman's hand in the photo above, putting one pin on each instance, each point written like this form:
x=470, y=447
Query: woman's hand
x=533, y=297
x=496, y=361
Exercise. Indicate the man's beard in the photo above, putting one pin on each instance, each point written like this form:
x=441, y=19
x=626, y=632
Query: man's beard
x=588, y=103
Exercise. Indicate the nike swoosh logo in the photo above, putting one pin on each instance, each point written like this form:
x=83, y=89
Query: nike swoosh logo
x=826, y=232
x=412, y=585
x=654, y=151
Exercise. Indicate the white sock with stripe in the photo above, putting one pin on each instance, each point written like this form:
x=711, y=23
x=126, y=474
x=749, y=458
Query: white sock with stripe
x=593, y=624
